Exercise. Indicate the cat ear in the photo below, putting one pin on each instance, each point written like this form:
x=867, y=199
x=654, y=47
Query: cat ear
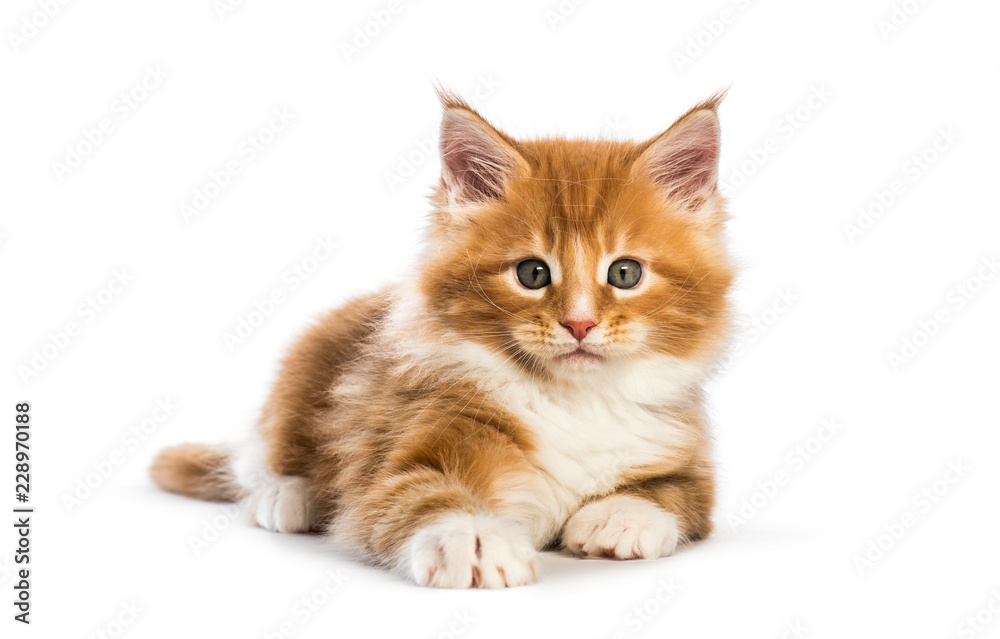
x=684, y=159
x=477, y=160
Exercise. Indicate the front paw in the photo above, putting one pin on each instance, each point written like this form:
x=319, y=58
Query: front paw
x=472, y=551
x=622, y=527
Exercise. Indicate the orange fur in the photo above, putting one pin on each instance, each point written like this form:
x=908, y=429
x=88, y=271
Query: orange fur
x=397, y=408
x=196, y=470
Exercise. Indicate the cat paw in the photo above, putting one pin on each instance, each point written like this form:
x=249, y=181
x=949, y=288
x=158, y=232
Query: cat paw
x=282, y=504
x=622, y=527
x=472, y=551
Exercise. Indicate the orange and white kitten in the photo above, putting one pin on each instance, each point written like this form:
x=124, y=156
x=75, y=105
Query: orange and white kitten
x=536, y=382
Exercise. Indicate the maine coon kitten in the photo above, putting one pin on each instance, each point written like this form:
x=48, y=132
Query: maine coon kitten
x=536, y=382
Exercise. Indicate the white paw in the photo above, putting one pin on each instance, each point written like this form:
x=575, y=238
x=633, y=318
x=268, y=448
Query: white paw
x=622, y=527
x=471, y=551
x=282, y=503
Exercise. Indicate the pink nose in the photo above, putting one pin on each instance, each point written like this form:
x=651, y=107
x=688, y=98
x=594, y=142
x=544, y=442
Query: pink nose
x=579, y=328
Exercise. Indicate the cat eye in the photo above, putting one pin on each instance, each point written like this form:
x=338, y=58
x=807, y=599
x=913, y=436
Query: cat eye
x=624, y=273
x=533, y=274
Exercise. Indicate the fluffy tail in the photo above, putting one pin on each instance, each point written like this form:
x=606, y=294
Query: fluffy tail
x=197, y=470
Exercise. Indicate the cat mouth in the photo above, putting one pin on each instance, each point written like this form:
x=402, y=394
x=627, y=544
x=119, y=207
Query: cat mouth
x=580, y=355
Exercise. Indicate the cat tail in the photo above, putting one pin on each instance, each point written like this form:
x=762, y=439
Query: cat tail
x=201, y=471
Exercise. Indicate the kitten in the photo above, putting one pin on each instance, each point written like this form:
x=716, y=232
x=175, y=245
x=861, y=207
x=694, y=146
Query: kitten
x=535, y=382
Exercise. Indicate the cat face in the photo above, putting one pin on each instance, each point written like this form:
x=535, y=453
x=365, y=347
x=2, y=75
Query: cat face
x=572, y=256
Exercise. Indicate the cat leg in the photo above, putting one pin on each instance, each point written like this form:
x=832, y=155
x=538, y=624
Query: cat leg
x=646, y=520
x=463, y=550
x=281, y=503
x=440, y=530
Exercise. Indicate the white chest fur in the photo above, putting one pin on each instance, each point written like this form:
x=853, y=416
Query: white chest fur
x=587, y=438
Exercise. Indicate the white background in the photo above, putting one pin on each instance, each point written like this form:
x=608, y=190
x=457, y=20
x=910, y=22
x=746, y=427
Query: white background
x=600, y=68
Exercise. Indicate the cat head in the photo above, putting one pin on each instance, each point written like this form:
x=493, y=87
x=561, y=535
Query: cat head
x=573, y=256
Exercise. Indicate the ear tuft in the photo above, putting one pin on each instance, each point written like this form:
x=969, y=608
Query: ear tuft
x=684, y=160
x=477, y=160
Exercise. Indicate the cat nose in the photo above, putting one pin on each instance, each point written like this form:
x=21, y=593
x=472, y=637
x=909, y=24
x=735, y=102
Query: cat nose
x=579, y=328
